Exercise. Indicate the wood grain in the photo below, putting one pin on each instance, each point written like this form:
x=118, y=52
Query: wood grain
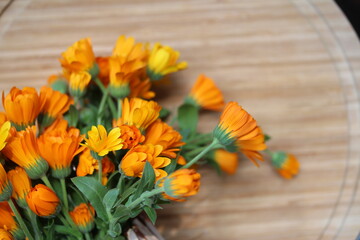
x=294, y=64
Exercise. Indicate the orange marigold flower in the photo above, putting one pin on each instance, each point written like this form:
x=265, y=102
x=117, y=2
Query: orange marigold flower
x=101, y=143
x=141, y=88
x=58, y=148
x=43, y=201
x=7, y=220
x=5, y=185
x=5, y=235
x=21, y=184
x=4, y=133
x=126, y=48
x=131, y=135
x=104, y=71
x=107, y=167
x=181, y=184
x=78, y=57
x=22, y=106
x=205, y=94
x=78, y=83
x=135, y=159
x=286, y=164
x=22, y=148
x=227, y=161
x=83, y=216
x=138, y=112
x=163, y=61
x=238, y=131
x=3, y=118
x=160, y=133
x=53, y=104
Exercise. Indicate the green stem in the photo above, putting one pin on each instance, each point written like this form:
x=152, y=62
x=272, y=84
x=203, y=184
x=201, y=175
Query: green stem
x=87, y=236
x=144, y=196
x=20, y=220
x=112, y=107
x=120, y=184
x=201, y=154
x=119, y=110
x=45, y=179
x=104, y=91
x=100, y=171
x=196, y=151
x=64, y=194
x=102, y=106
x=34, y=224
x=198, y=139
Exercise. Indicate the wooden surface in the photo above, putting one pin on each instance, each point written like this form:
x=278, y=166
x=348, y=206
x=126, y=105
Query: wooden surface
x=294, y=64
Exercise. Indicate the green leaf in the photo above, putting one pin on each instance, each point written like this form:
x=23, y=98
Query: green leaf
x=188, y=117
x=172, y=166
x=67, y=231
x=164, y=113
x=115, y=230
x=73, y=116
x=151, y=214
x=147, y=180
x=121, y=211
x=110, y=198
x=94, y=192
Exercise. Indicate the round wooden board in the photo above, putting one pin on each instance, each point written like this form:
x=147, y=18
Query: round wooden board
x=294, y=64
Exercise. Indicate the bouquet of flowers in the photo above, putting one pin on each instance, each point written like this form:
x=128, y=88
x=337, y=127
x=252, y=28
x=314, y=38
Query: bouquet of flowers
x=89, y=152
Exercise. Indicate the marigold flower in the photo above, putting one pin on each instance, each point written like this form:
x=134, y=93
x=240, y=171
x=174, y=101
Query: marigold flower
x=43, y=201
x=22, y=106
x=7, y=220
x=141, y=88
x=87, y=165
x=131, y=135
x=53, y=104
x=59, y=147
x=163, y=61
x=83, y=216
x=78, y=57
x=127, y=48
x=78, y=83
x=22, y=148
x=205, y=94
x=101, y=143
x=21, y=184
x=138, y=112
x=104, y=70
x=5, y=185
x=5, y=235
x=238, y=131
x=286, y=164
x=107, y=167
x=4, y=133
x=160, y=133
x=135, y=159
x=180, y=184
x=227, y=161
x=3, y=118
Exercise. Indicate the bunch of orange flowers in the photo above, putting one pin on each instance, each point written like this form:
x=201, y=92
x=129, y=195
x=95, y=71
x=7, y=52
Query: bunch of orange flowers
x=90, y=151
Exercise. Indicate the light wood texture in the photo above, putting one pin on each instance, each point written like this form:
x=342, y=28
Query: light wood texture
x=294, y=64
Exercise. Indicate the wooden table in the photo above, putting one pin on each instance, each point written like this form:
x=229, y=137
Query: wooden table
x=294, y=64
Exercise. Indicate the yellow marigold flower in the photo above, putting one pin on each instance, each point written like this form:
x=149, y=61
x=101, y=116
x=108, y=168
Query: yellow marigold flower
x=7, y=221
x=163, y=61
x=21, y=184
x=141, y=88
x=286, y=164
x=227, y=161
x=238, y=131
x=205, y=94
x=53, y=104
x=131, y=135
x=135, y=159
x=4, y=133
x=100, y=143
x=126, y=48
x=78, y=83
x=58, y=148
x=181, y=184
x=43, y=201
x=83, y=216
x=104, y=70
x=160, y=133
x=5, y=235
x=138, y=112
x=5, y=185
x=26, y=157
x=22, y=106
x=78, y=57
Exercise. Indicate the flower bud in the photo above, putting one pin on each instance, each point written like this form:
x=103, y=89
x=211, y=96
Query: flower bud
x=83, y=217
x=43, y=201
